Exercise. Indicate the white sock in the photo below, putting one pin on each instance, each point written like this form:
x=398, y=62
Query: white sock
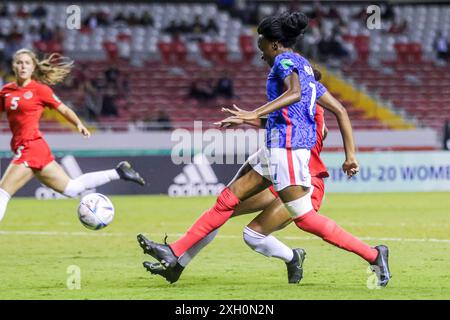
x=90, y=180
x=185, y=258
x=267, y=245
x=4, y=199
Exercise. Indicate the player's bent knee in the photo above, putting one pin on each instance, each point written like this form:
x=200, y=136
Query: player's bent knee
x=73, y=188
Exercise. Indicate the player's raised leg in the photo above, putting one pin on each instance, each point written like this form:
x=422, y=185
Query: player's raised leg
x=241, y=189
x=15, y=177
x=253, y=204
x=172, y=274
x=54, y=176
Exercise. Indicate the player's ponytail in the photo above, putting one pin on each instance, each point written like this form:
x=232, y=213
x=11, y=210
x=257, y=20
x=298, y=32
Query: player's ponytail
x=293, y=24
x=51, y=70
x=317, y=74
x=284, y=28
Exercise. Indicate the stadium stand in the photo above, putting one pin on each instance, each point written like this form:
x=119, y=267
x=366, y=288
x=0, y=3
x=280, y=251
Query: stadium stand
x=162, y=48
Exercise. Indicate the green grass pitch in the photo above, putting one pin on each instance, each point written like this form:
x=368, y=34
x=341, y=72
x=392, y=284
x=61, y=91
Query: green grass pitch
x=39, y=240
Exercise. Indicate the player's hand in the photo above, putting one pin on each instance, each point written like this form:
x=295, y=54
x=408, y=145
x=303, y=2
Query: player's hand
x=229, y=122
x=241, y=113
x=83, y=130
x=350, y=167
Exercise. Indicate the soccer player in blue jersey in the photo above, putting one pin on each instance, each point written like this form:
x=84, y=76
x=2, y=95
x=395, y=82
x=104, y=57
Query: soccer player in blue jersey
x=291, y=133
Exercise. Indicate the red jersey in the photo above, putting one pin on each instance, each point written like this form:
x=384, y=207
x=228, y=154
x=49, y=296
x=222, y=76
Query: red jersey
x=316, y=167
x=24, y=107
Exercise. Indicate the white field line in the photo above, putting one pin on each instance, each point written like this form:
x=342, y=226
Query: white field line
x=103, y=234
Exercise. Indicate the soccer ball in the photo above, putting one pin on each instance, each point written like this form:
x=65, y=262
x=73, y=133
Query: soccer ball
x=95, y=211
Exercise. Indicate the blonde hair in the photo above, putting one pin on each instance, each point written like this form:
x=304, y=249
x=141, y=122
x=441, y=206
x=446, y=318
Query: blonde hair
x=51, y=70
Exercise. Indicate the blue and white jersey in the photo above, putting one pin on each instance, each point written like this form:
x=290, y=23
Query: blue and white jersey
x=292, y=127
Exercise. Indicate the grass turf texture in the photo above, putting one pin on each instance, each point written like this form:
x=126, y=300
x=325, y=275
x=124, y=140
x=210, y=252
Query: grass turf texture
x=39, y=240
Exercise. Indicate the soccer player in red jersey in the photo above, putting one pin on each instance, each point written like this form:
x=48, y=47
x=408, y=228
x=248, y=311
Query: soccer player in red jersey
x=23, y=101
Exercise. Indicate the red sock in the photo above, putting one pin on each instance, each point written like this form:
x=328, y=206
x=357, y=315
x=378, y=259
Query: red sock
x=329, y=231
x=210, y=220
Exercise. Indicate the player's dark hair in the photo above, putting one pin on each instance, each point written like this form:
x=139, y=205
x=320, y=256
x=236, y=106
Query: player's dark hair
x=284, y=28
x=317, y=74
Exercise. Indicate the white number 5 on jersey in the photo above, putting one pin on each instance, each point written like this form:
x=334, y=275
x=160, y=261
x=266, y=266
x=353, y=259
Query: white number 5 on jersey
x=14, y=103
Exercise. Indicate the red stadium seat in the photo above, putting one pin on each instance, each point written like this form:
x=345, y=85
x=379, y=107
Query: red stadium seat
x=414, y=52
x=173, y=52
x=348, y=38
x=124, y=37
x=165, y=49
x=48, y=46
x=40, y=46
x=247, y=47
x=111, y=50
x=361, y=44
x=207, y=49
x=408, y=53
x=180, y=51
x=54, y=46
x=221, y=52
x=214, y=51
x=402, y=51
x=85, y=30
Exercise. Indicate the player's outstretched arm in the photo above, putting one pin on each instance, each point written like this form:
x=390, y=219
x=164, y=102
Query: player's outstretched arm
x=332, y=104
x=73, y=118
x=234, y=121
x=290, y=96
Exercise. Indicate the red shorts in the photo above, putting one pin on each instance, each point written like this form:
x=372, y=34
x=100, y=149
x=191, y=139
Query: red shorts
x=317, y=195
x=35, y=154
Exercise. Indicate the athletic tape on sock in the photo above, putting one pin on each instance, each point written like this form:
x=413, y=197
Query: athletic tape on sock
x=299, y=207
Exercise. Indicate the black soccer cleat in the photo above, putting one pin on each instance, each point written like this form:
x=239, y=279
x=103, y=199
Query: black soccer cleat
x=381, y=265
x=160, y=252
x=295, y=266
x=170, y=274
x=127, y=173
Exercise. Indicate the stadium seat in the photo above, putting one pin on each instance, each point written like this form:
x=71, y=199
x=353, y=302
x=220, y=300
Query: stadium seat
x=214, y=51
x=361, y=44
x=408, y=52
x=247, y=48
x=404, y=74
x=111, y=50
x=414, y=52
